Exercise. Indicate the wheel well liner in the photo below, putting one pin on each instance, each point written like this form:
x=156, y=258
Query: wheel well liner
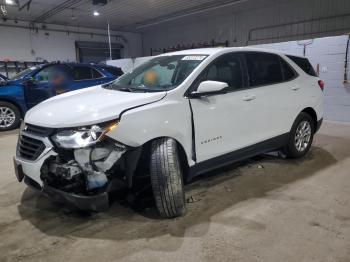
x=182, y=155
x=311, y=112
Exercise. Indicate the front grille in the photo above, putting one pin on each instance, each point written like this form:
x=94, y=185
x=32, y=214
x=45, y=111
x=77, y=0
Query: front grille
x=38, y=130
x=30, y=148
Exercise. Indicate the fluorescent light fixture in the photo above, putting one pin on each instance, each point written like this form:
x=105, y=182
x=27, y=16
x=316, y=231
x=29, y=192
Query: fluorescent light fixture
x=96, y=13
x=9, y=2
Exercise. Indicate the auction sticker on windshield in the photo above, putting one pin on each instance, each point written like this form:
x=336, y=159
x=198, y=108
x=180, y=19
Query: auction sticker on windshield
x=194, y=57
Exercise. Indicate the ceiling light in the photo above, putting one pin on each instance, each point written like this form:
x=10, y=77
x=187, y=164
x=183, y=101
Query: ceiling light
x=96, y=13
x=9, y=2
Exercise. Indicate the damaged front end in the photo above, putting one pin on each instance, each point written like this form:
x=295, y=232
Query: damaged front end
x=87, y=174
x=86, y=167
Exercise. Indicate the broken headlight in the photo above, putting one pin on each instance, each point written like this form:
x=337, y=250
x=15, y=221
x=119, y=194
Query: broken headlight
x=82, y=137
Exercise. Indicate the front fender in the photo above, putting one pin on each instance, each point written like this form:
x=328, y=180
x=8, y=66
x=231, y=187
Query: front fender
x=165, y=118
x=14, y=94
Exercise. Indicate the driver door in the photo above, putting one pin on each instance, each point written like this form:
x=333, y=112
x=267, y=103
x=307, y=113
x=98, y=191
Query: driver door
x=225, y=122
x=44, y=84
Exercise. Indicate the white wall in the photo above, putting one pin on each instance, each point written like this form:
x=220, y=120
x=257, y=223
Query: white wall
x=17, y=44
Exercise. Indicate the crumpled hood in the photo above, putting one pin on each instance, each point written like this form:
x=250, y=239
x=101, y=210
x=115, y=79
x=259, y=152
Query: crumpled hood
x=86, y=107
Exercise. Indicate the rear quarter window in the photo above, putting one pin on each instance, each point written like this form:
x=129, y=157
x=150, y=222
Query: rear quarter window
x=82, y=73
x=114, y=70
x=304, y=64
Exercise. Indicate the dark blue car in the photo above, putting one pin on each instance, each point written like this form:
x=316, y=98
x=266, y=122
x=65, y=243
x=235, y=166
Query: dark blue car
x=36, y=84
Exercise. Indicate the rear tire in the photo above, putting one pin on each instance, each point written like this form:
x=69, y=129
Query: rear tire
x=10, y=116
x=301, y=136
x=166, y=178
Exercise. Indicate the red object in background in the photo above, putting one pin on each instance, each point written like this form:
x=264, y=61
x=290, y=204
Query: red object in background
x=321, y=84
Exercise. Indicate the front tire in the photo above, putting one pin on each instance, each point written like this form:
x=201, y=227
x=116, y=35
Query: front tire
x=301, y=136
x=166, y=178
x=10, y=116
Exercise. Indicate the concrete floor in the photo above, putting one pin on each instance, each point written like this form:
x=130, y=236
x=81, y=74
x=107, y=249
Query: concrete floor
x=266, y=209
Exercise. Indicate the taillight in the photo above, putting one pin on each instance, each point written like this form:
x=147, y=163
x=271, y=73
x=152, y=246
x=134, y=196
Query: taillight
x=321, y=84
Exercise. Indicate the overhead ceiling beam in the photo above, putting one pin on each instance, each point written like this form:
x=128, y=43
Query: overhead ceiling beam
x=56, y=10
x=187, y=12
x=21, y=7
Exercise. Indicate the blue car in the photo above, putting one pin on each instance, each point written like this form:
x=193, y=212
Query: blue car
x=36, y=84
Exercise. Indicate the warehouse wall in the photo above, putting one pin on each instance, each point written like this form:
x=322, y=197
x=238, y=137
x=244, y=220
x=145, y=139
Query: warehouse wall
x=242, y=24
x=17, y=43
x=329, y=54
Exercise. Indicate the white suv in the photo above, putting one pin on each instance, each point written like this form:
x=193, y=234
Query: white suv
x=172, y=118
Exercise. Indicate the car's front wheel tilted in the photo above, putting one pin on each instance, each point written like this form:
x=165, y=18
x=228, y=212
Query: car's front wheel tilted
x=166, y=178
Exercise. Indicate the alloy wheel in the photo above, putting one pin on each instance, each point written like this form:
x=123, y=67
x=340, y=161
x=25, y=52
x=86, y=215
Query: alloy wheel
x=7, y=117
x=302, y=136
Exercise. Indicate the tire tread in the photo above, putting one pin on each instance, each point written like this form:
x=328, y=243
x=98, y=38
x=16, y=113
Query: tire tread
x=166, y=178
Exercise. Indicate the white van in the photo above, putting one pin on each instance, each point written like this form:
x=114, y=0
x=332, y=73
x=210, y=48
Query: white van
x=172, y=118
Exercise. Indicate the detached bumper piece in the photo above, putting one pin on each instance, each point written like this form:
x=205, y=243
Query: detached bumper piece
x=96, y=203
x=18, y=171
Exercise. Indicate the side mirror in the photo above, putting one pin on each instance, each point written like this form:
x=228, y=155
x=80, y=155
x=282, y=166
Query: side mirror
x=207, y=88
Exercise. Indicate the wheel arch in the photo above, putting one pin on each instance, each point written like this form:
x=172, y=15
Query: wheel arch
x=20, y=108
x=311, y=112
x=183, y=158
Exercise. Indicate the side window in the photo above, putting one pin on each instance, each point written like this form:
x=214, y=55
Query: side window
x=96, y=74
x=263, y=69
x=228, y=69
x=51, y=74
x=82, y=73
x=45, y=74
x=116, y=71
x=288, y=72
x=304, y=64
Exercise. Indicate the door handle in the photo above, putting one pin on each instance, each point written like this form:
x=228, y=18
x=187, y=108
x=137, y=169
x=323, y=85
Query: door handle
x=249, y=97
x=295, y=88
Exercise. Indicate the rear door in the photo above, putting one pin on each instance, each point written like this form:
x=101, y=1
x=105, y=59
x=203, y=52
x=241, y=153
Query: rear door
x=271, y=82
x=45, y=83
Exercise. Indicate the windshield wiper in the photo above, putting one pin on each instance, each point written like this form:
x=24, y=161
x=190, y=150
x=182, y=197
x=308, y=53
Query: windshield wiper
x=119, y=88
x=124, y=89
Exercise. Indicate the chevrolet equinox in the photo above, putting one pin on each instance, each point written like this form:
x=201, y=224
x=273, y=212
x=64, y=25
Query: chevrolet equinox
x=172, y=118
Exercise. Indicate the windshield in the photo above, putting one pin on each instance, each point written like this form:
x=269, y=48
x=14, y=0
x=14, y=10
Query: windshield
x=162, y=73
x=23, y=73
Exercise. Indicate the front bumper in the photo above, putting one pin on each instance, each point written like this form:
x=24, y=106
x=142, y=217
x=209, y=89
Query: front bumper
x=98, y=202
x=30, y=171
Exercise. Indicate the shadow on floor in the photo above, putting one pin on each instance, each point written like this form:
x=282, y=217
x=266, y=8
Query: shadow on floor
x=209, y=195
